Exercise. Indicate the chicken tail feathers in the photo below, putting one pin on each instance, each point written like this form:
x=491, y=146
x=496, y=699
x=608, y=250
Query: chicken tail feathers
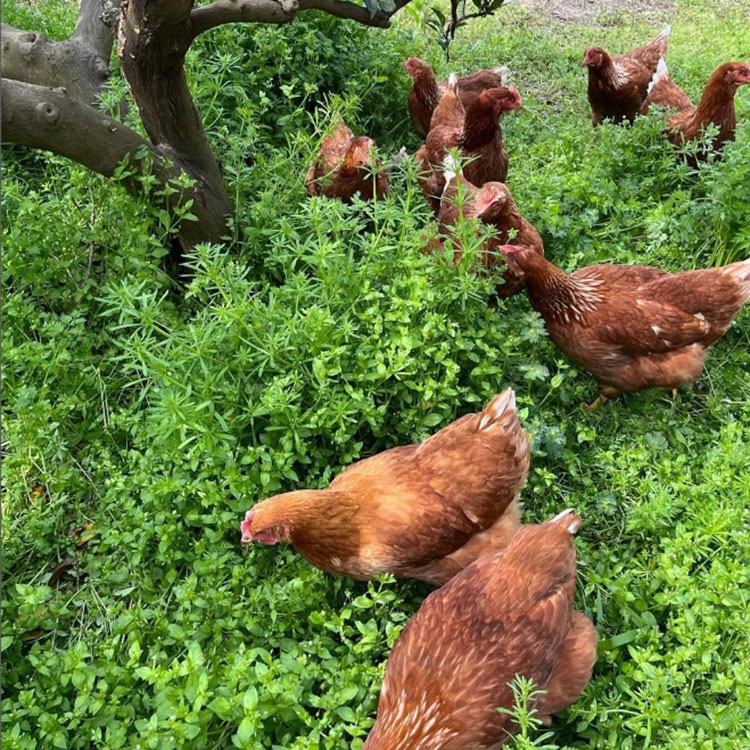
x=662, y=72
x=569, y=519
x=740, y=273
x=504, y=72
x=451, y=167
x=664, y=33
x=498, y=410
x=500, y=414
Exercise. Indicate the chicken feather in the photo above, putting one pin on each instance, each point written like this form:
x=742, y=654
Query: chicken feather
x=715, y=107
x=344, y=167
x=618, y=85
x=426, y=90
x=423, y=511
x=510, y=612
x=634, y=327
x=479, y=138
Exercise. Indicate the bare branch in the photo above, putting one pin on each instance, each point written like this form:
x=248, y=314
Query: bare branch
x=91, y=30
x=283, y=11
x=358, y=13
x=80, y=64
x=152, y=41
x=153, y=38
x=52, y=120
x=247, y=11
x=31, y=57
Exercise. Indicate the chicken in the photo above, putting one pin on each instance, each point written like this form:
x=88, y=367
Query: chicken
x=493, y=205
x=426, y=90
x=448, y=114
x=479, y=140
x=345, y=166
x=618, y=85
x=633, y=327
x=509, y=613
x=716, y=105
x=417, y=511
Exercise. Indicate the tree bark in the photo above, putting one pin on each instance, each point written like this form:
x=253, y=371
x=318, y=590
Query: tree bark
x=49, y=85
x=153, y=38
x=80, y=64
x=283, y=11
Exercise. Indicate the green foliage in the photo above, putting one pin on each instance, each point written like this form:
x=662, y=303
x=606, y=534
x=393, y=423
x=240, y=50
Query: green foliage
x=444, y=27
x=143, y=417
x=523, y=715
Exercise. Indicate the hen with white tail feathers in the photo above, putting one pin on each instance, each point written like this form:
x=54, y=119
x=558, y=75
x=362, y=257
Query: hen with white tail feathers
x=716, y=106
x=618, y=85
x=418, y=511
x=427, y=90
x=634, y=327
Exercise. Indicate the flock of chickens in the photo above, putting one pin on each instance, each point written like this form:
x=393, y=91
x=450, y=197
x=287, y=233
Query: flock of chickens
x=446, y=510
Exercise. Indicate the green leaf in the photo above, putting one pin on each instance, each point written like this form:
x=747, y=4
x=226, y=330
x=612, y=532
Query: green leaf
x=373, y=6
x=220, y=706
x=439, y=15
x=346, y=714
x=623, y=638
x=348, y=693
x=246, y=729
x=250, y=698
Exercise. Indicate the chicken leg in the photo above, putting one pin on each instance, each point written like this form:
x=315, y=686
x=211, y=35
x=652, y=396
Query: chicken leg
x=594, y=405
x=573, y=669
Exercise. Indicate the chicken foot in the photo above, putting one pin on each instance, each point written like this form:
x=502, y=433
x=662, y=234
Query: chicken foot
x=594, y=405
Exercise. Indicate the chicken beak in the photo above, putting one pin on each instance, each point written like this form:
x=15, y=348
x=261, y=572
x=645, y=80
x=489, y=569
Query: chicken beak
x=246, y=528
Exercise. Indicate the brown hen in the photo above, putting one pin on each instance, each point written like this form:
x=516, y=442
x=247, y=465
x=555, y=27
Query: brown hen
x=493, y=205
x=345, y=166
x=716, y=105
x=418, y=511
x=509, y=613
x=633, y=327
x=618, y=85
x=479, y=139
x=426, y=90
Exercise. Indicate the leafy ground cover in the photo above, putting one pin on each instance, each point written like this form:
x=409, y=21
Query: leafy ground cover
x=142, y=417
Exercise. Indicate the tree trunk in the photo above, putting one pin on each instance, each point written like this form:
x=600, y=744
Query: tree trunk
x=49, y=89
x=153, y=38
x=79, y=64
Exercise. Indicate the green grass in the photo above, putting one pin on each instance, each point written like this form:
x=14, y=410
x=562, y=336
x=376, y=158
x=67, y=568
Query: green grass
x=157, y=413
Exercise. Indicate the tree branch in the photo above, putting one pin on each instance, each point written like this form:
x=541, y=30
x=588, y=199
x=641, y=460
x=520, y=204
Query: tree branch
x=358, y=13
x=249, y=11
x=91, y=30
x=153, y=37
x=80, y=64
x=52, y=120
x=283, y=11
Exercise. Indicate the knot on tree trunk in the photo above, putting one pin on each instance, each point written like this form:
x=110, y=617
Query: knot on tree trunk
x=47, y=113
